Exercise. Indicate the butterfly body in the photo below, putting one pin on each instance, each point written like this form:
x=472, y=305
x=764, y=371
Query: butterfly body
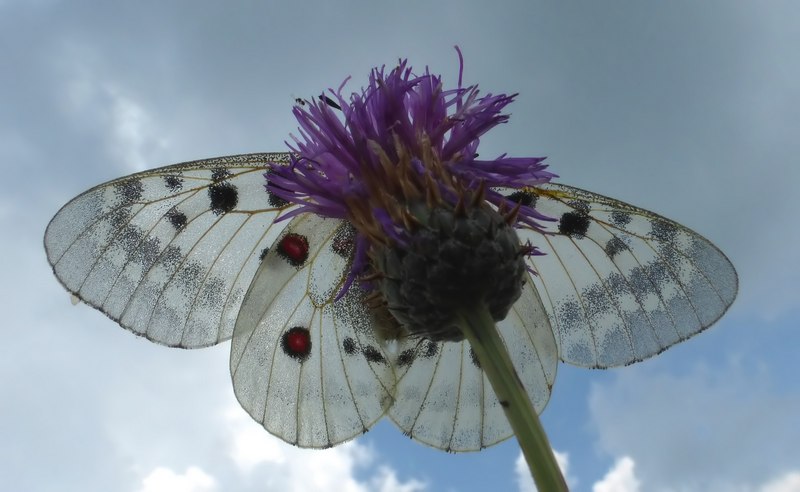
x=197, y=253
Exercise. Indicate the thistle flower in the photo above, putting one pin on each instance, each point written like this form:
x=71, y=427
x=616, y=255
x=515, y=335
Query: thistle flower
x=400, y=163
x=435, y=241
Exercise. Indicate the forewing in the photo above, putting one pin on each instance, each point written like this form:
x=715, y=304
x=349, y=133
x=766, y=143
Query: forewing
x=343, y=384
x=619, y=283
x=169, y=253
x=444, y=399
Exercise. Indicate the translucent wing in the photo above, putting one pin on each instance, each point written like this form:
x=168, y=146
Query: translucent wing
x=443, y=398
x=169, y=253
x=309, y=369
x=619, y=283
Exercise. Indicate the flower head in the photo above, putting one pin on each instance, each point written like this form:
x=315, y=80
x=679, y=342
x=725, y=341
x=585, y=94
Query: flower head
x=399, y=161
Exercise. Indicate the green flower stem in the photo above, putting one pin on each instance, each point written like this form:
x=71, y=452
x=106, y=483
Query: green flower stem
x=479, y=328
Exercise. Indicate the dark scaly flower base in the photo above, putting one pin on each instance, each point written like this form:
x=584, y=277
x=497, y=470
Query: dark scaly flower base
x=453, y=260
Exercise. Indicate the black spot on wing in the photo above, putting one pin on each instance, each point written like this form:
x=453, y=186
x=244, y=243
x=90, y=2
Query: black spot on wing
x=176, y=218
x=614, y=246
x=273, y=199
x=620, y=219
x=574, y=224
x=129, y=237
x=523, y=197
x=220, y=174
x=570, y=313
x=171, y=257
x=119, y=218
x=174, y=183
x=344, y=240
x=190, y=275
x=263, y=254
x=596, y=300
x=129, y=191
x=139, y=248
x=663, y=231
x=223, y=196
x=349, y=346
x=581, y=206
x=372, y=354
x=431, y=349
x=406, y=357
x=474, y=358
x=211, y=293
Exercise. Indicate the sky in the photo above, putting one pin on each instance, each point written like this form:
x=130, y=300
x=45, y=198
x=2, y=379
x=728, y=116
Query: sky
x=689, y=109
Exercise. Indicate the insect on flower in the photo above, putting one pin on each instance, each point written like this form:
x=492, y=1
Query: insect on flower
x=335, y=268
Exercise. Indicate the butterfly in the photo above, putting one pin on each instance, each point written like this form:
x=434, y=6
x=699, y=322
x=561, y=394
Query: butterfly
x=193, y=254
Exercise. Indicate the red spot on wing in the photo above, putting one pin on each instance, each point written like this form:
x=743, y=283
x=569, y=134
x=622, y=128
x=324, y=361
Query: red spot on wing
x=294, y=248
x=296, y=343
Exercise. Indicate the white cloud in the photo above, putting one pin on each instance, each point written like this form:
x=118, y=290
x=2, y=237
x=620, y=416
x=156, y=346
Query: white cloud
x=524, y=478
x=259, y=455
x=93, y=99
x=175, y=423
x=523, y=473
x=251, y=447
x=133, y=131
x=620, y=478
x=255, y=451
x=385, y=480
x=165, y=480
x=700, y=430
x=787, y=483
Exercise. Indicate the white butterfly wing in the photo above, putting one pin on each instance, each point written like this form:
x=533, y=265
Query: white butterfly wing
x=619, y=283
x=183, y=254
x=341, y=383
x=169, y=253
x=443, y=397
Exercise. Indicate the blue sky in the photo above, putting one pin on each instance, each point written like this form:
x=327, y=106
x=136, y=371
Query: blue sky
x=689, y=109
